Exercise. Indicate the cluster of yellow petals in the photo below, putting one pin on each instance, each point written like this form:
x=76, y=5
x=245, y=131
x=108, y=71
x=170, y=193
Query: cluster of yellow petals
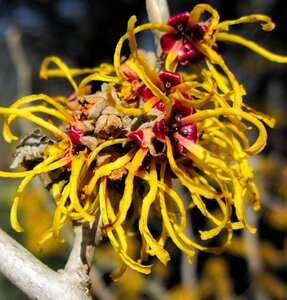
x=219, y=171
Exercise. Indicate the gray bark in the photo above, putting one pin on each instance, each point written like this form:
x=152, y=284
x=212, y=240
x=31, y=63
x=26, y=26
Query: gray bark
x=34, y=278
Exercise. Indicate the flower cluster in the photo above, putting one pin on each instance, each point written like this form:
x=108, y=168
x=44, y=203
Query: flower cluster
x=158, y=125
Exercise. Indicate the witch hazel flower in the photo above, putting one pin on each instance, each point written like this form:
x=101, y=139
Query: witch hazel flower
x=167, y=127
x=168, y=83
x=183, y=37
x=147, y=126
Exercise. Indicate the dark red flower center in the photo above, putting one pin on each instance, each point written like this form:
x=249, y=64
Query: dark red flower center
x=179, y=21
x=185, y=34
x=169, y=128
x=166, y=127
x=75, y=134
x=169, y=80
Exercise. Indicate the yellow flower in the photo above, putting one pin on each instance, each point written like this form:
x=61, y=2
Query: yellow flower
x=122, y=154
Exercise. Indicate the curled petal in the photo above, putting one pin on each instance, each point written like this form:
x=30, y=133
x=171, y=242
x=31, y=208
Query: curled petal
x=107, y=169
x=196, y=13
x=31, y=117
x=117, y=55
x=186, y=180
x=267, y=25
x=128, y=191
x=227, y=37
x=156, y=248
x=257, y=146
x=76, y=168
x=47, y=165
x=173, y=233
x=147, y=106
x=119, y=245
x=59, y=212
x=62, y=66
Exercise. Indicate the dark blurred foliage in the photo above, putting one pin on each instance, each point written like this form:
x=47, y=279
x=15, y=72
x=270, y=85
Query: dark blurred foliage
x=84, y=33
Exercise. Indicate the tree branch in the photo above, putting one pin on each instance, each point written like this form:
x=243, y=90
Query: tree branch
x=23, y=71
x=34, y=278
x=84, y=246
x=157, y=11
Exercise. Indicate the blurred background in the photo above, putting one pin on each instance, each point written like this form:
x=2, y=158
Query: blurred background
x=84, y=33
